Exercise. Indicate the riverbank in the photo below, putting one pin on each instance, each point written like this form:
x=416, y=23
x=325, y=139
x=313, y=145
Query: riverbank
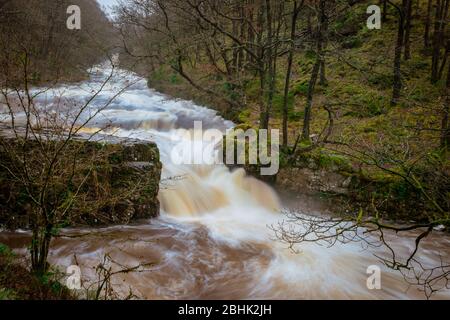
x=18, y=283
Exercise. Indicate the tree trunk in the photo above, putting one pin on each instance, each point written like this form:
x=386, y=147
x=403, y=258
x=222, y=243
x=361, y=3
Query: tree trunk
x=270, y=62
x=261, y=68
x=436, y=44
x=309, y=23
x=408, y=29
x=426, y=36
x=250, y=33
x=314, y=75
x=397, y=85
x=289, y=72
x=444, y=61
x=445, y=133
x=309, y=100
x=438, y=36
x=39, y=248
x=235, y=28
x=241, y=38
x=323, y=78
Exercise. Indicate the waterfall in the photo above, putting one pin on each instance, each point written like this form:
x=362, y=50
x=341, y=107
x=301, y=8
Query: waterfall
x=213, y=238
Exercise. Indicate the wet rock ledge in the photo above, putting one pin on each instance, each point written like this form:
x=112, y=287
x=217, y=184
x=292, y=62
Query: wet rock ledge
x=122, y=184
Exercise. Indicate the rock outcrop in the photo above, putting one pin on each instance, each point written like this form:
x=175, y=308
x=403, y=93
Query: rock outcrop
x=122, y=185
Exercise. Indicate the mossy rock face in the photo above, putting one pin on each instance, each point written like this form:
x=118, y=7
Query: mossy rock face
x=321, y=159
x=120, y=186
x=316, y=172
x=313, y=181
x=323, y=172
x=141, y=152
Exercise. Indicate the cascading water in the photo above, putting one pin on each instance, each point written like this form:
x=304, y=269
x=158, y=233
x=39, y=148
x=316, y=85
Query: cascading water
x=212, y=239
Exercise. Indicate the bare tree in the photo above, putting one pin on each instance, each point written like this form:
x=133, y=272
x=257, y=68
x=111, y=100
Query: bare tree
x=298, y=228
x=439, y=41
x=397, y=84
x=320, y=9
x=370, y=226
x=295, y=13
x=426, y=36
x=445, y=126
x=408, y=22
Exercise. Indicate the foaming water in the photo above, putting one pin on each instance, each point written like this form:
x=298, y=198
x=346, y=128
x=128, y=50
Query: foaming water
x=213, y=238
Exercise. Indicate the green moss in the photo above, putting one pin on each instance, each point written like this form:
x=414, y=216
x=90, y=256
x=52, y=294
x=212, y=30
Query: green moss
x=278, y=103
x=352, y=42
x=159, y=75
x=244, y=116
x=382, y=81
x=327, y=160
x=303, y=144
x=296, y=115
x=310, y=55
x=320, y=159
x=418, y=63
x=349, y=23
x=301, y=88
x=5, y=251
x=174, y=79
x=365, y=103
x=8, y=294
x=252, y=88
x=401, y=190
x=420, y=95
x=116, y=158
x=284, y=158
x=379, y=177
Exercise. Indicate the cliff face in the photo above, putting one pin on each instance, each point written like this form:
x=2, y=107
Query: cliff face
x=120, y=186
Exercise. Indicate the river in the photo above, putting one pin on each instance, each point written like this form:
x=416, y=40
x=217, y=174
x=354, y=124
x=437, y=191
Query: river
x=212, y=239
